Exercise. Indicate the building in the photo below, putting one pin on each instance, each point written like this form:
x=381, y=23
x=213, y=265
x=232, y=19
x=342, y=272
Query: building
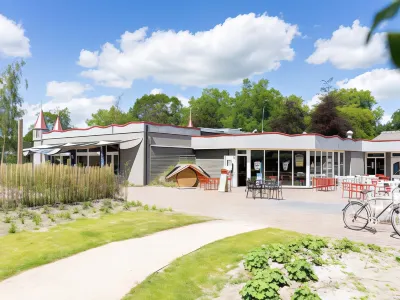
x=141, y=151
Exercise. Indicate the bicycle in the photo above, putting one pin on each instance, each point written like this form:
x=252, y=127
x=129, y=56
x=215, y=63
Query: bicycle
x=358, y=214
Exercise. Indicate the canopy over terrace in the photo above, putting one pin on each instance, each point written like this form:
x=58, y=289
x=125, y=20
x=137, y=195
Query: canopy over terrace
x=84, y=153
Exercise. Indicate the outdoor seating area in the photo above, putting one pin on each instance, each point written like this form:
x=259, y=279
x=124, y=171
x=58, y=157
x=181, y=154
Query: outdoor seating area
x=210, y=184
x=270, y=189
x=324, y=184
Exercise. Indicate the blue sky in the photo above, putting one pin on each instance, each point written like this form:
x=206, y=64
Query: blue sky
x=181, y=64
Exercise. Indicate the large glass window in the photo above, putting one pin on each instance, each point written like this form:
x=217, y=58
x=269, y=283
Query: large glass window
x=257, y=164
x=286, y=165
x=329, y=165
x=271, y=165
x=299, y=168
x=375, y=163
x=341, y=167
x=324, y=164
x=335, y=164
x=318, y=164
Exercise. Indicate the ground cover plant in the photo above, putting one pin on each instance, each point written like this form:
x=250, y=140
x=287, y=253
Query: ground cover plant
x=277, y=265
x=22, y=250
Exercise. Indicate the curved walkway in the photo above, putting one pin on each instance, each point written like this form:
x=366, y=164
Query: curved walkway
x=109, y=272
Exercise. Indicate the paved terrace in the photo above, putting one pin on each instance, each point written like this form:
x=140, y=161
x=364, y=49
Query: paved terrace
x=303, y=210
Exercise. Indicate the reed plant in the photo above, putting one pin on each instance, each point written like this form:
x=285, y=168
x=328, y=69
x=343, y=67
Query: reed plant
x=49, y=184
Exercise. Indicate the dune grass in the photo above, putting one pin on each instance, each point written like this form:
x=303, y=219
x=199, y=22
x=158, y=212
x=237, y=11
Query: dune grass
x=25, y=250
x=204, y=271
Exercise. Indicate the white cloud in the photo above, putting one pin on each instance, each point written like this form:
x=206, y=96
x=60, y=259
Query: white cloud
x=316, y=99
x=156, y=91
x=240, y=47
x=80, y=106
x=346, y=49
x=383, y=83
x=88, y=59
x=13, y=41
x=65, y=90
x=386, y=119
x=183, y=99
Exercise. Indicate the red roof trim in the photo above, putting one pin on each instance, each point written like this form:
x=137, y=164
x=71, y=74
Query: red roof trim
x=123, y=125
x=293, y=135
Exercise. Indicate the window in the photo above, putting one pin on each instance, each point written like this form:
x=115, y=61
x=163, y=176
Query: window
x=286, y=167
x=299, y=168
x=257, y=164
x=376, y=154
x=271, y=164
x=395, y=154
x=396, y=168
x=242, y=152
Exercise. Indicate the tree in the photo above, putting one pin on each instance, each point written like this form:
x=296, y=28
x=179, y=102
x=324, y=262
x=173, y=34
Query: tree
x=247, y=106
x=104, y=117
x=360, y=108
x=326, y=120
x=10, y=107
x=157, y=108
x=291, y=116
x=50, y=117
x=393, y=38
x=207, y=110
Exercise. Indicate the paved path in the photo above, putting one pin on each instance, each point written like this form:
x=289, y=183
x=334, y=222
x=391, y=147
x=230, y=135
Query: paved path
x=110, y=271
x=303, y=210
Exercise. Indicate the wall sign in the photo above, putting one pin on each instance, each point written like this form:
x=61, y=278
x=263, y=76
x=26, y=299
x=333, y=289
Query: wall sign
x=299, y=160
x=285, y=165
x=257, y=165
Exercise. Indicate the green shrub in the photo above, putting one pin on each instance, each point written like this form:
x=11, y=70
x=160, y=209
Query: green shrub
x=300, y=270
x=317, y=260
x=61, y=207
x=107, y=204
x=304, y=293
x=265, y=285
x=314, y=244
x=146, y=207
x=127, y=206
x=86, y=205
x=51, y=217
x=345, y=245
x=279, y=253
x=170, y=209
x=154, y=207
x=7, y=219
x=256, y=260
x=22, y=219
x=65, y=215
x=13, y=228
x=138, y=203
x=375, y=248
x=37, y=219
x=75, y=210
x=132, y=203
x=46, y=209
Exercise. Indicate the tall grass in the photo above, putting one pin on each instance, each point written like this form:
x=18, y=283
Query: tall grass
x=50, y=184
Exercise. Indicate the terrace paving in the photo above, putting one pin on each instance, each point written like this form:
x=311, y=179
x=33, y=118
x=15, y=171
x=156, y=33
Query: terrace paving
x=303, y=210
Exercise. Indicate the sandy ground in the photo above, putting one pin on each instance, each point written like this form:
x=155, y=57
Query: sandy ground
x=374, y=275
x=302, y=210
x=110, y=271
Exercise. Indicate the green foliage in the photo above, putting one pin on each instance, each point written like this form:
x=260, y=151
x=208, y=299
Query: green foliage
x=345, y=245
x=46, y=209
x=87, y=205
x=51, y=217
x=169, y=209
x=7, y=219
x=127, y=205
x=256, y=260
x=107, y=203
x=304, y=293
x=13, y=228
x=279, y=253
x=104, y=117
x=373, y=247
x=300, y=270
x=317, y=260
x=157, y=108
x=265, y=285
x=138, y=203
x=37, y=219
x=393, y=38
x=398, y=259
x=64, y=215
x=61, y=207
x=154, y=207
x=75, y=210
x=146, y=207
x=22, y=219
x=314, y=244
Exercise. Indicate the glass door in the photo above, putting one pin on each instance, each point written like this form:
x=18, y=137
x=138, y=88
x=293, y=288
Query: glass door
x=242, y=170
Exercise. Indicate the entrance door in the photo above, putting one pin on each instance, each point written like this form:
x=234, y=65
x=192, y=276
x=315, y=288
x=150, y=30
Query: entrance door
x=113, y=160
x=242, y=170
x=396, y=167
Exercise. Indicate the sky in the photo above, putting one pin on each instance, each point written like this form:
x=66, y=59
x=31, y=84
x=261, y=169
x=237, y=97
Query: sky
x=85, y=55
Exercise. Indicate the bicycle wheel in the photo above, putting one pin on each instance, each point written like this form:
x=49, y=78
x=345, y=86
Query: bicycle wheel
x=355, y=216
x=396, y=220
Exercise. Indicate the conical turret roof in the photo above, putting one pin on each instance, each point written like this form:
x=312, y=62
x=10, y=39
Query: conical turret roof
x=40, y=122
x=57, y=125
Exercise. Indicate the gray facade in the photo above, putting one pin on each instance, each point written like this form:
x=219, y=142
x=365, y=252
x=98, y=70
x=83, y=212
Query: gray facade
x=212, y=161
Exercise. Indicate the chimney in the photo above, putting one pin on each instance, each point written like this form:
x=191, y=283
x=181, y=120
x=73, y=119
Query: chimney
x=349, y=134
x=190, y=119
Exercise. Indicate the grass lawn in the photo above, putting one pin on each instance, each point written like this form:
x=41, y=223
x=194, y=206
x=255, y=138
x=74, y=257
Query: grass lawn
x=189, y=276
x=25, y=250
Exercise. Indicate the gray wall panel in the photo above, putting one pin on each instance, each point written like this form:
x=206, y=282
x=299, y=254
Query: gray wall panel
x=161, y=159
x=388, y=164
x=212, y=161
x=357, y=163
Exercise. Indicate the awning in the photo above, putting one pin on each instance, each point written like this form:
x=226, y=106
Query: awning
x=59, y=149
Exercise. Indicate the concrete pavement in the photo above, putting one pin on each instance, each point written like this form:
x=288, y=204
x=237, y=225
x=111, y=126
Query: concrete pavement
x=110, y=271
